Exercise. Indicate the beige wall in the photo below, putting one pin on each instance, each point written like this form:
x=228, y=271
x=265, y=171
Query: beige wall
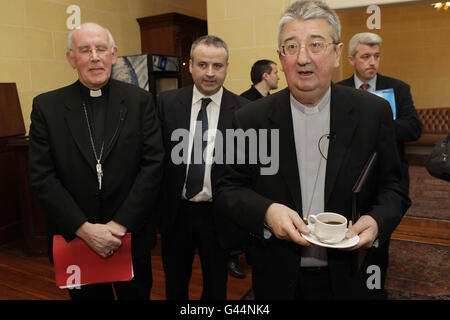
x=33, y=34
x=415, y=49
x=249, y=27
x=416, y=43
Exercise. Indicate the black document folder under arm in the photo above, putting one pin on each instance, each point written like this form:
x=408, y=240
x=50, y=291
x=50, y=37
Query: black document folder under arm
x=361, y=194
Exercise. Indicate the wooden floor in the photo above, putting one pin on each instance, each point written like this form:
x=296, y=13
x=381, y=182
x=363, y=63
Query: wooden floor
x=32, y=278
x=27, y=278
x=430, y=231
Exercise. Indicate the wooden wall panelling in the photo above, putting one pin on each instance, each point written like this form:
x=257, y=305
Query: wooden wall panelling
x=172, y=34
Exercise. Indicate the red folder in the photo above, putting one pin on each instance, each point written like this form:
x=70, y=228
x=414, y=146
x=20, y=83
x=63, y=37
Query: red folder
x=77, y=264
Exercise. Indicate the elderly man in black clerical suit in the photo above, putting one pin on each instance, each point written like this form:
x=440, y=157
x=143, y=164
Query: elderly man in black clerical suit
x=96, y=159
x=188, y=222
x=326, y=134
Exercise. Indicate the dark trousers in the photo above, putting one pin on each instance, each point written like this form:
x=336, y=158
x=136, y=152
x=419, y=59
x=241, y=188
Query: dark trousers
x=193, y=230
x=136, y=289
x=314, y=284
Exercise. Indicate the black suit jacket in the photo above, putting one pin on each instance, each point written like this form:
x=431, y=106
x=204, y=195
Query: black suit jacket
x=62, y=163
x=407, y=124
x=174, y=109
x=362, y=124
x=252, y=94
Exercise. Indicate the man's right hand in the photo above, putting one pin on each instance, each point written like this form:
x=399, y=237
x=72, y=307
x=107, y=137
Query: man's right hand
x=286, y=224
x=100, y=237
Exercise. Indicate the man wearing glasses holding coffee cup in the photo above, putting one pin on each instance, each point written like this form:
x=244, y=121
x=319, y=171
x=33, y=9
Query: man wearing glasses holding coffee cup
x=326, y=133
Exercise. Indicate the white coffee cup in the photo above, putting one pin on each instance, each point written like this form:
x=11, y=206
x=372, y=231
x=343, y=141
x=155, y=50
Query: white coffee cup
x=328, y=227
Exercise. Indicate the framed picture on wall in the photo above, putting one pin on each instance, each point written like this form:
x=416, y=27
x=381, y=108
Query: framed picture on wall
x=132, y=69
x=151, y=72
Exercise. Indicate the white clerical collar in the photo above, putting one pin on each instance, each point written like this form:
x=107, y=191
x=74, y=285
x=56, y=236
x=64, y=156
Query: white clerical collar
x=216, y=97
x=372, y=83
x=325, y=101
x=95, y=93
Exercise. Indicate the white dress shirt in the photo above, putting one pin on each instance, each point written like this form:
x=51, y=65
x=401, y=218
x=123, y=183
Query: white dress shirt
x=312, y=124
x=212, y=111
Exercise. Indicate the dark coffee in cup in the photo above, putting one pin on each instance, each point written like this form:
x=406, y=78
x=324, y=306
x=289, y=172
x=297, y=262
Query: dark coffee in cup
x=328, y=227
x=332, y=222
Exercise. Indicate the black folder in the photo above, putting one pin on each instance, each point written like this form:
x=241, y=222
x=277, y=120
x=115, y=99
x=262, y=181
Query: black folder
x=363, y=193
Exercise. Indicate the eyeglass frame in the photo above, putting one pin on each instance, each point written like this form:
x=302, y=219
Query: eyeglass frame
x=326, y=44
x=90, y=50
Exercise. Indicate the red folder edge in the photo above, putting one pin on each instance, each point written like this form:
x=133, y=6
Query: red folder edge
x=76, y=264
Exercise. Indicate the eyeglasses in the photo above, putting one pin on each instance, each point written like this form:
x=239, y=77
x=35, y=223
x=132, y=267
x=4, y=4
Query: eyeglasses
x=292, y=48
x=87, y=51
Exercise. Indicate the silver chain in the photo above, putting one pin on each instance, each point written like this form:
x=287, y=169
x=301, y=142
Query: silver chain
x=99, y=159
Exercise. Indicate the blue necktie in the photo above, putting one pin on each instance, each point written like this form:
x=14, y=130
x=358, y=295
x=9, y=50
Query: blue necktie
x=196, y=172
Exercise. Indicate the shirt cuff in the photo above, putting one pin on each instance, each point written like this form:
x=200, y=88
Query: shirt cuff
x=267, y=231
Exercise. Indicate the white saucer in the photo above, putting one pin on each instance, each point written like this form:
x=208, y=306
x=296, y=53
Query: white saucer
x=346, y=243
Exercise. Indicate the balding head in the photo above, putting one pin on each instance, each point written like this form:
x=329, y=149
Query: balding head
x=92, y=52
x=87, y=25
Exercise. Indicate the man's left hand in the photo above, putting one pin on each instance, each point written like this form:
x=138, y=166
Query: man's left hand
x=116, y=229
x=366, y=228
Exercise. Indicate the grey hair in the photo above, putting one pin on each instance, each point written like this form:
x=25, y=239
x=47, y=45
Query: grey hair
x=112, y=43
x=311, y=9
x=367, y=38
x=209, y=40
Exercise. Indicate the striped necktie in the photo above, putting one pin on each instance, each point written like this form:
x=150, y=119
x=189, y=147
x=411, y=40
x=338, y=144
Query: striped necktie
x=364, y=86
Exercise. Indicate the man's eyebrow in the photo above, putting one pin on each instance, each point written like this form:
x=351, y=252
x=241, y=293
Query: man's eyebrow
x=290, y=38
x=312, y=36
x=315, y=36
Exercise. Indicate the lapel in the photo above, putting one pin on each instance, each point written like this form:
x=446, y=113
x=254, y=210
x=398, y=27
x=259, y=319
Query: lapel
x=351, y=81
x=343, y=125
x=77, y=123
x=280, y=117
x=381, y=82
x=183, y=106
x=115, y=116
x=228, y=105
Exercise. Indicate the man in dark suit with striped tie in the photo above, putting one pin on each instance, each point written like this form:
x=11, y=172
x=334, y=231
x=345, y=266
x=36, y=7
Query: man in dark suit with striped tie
x=188, y=222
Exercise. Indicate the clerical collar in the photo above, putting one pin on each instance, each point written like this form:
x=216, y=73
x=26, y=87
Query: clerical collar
x=96, y=93
x=86, y=92
x=325, y=101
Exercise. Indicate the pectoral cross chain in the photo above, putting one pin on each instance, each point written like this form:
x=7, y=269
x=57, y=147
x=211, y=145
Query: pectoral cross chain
x=98, y=166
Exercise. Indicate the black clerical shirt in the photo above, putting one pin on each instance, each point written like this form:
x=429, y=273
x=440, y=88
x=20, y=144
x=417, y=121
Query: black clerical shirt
x=96, y=107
